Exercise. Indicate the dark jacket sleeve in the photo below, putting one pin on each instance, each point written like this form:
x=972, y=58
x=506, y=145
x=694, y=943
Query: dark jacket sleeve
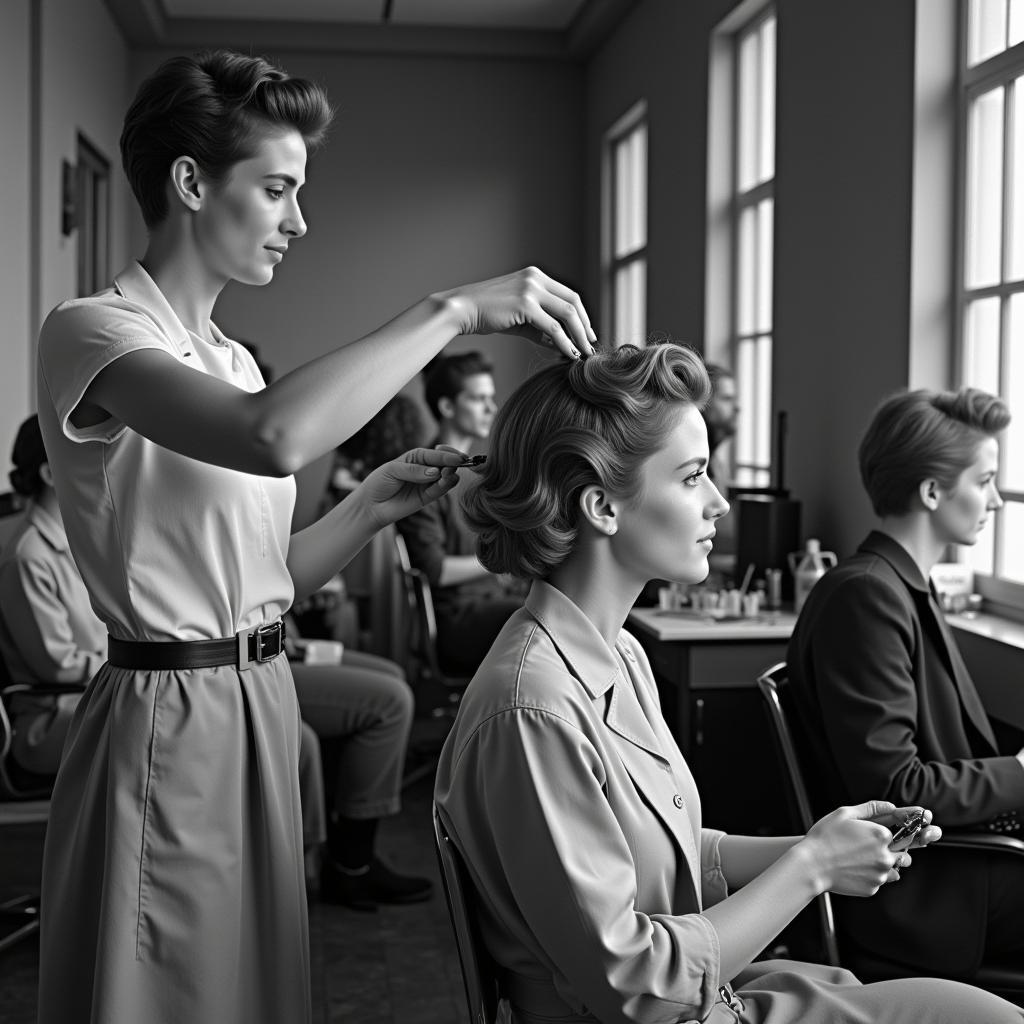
x=883, y=703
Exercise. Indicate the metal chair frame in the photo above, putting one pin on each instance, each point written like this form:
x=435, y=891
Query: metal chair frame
x=1005, y=981
x=478, y=971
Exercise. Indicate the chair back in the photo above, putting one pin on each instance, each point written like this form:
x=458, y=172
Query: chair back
x=478, y=970
x=772, y=683
x=420, y=607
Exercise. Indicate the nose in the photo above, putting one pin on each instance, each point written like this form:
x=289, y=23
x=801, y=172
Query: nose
x=717, y=506
x=995, y=502
x=293, y=224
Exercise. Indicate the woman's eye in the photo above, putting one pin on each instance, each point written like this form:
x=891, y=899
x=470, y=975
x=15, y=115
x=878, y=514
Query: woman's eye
x=694, y=478
x=275, y=193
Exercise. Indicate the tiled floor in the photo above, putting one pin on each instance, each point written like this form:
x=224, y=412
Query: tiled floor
x=396, y=966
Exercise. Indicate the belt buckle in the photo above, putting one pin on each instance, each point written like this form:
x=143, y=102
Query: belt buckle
x=267, y=644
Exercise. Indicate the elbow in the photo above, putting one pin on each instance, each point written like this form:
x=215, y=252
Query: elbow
x=278, y=452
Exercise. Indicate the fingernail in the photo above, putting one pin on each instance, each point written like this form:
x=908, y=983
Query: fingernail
x=432, y=471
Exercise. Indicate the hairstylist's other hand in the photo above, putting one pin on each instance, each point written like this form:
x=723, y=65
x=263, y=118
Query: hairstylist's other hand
x=849, y=849
x=898, y=815
x=404, y=485
x=527, y=303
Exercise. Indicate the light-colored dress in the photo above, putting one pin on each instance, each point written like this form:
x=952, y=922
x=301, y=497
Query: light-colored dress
x=580, y=826
x=173, y=887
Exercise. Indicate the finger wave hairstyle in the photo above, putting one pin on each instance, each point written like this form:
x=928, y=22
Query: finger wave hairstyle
x=924, y=435
x=213, y=107
x=574, y=423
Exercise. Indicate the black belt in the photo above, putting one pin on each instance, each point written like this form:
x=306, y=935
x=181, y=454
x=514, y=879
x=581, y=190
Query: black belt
x=248, y=647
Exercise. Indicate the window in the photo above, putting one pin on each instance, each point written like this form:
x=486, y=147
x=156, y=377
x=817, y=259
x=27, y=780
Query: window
x=991, y=265
x=93, y=218
x=753, y=218
x=625, y=227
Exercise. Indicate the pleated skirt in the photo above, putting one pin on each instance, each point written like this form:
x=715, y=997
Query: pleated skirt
x=173, y=883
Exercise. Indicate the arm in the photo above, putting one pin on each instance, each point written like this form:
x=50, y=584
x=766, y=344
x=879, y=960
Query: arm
x=863, y=665
x=311, y=410
x=388, y=494
x=38, y=624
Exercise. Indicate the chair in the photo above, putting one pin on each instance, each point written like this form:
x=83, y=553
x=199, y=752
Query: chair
x=23, y=802
x=478, y=970
x=1004, y=981
x=422, y=635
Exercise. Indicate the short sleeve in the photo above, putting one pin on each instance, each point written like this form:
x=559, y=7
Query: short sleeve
x=713, y=886
x=77, y=341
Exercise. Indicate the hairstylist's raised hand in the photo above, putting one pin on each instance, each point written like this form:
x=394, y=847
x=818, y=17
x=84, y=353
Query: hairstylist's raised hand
x=849, y=849
x=527, y=303
x=403, y=485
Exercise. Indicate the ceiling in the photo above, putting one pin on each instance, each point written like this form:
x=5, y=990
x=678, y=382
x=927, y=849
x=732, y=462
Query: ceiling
x=552, y=29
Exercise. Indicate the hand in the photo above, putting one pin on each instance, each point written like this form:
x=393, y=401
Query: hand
x=527, y=303
x=403, y=485
x=929, y=833
x=850, y=848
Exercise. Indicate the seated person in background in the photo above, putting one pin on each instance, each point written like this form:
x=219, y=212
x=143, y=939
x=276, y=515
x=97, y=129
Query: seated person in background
x=361, y=710
x=50, y=634
x=884, y=699
x=601, y=895
x=48, y=630
x=471, y=603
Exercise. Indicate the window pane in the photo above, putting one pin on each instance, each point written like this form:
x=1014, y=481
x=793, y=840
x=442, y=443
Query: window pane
x=984, y=190
x=1016, y=22
x=746, y=272
x=763, y=403
x=746, y=370
x=766, y=161
x=981, y=345
x=747, y=141
x=630, y=303
x=1015, y=214
x=1011, y=536
x=765, y=224
x=986, y=29
x=638, y=176
x=1012, y=477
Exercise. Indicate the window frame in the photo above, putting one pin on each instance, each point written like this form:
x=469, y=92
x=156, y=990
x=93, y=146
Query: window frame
x=633, y=120
x=1001, y=595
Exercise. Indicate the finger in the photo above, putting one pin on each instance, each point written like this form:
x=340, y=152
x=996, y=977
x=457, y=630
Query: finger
x=442, y=455
x=413, y=472
x=873, y=810
x=927, y=836
x=436, y=489
x=579, y=314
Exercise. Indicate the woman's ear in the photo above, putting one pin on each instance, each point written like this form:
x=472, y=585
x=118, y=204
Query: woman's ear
x=185, y=182
x=46, y=474
x=446, y=407
x=598, y=509
x=929, y=492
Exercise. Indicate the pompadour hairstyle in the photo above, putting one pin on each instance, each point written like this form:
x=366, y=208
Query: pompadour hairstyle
x=214, y=107
x=574, y=423
x=922, y=435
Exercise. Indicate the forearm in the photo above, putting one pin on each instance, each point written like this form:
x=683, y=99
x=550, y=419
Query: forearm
x=745, y=857
x=318, y=405
x=751, y=917
x=321, y=550
x=456, y=569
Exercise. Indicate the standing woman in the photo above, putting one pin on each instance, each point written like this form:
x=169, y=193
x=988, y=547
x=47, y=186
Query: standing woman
x=172, y=878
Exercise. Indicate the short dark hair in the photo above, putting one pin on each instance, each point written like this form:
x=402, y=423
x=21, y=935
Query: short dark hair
x=214, y=107
x=28, y=456
x=574, y=423
x=922, y=435
x=446, y=377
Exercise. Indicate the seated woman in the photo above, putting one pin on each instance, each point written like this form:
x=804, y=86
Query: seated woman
x=602, y=896
x=886, y=700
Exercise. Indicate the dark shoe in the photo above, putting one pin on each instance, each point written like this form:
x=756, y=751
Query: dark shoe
x=377, y=884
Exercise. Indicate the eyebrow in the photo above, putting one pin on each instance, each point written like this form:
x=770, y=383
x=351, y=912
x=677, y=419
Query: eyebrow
x=286, y=178
x=699, y=461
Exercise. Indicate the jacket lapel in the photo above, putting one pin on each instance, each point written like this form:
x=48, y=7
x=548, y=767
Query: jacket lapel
x=935, y=621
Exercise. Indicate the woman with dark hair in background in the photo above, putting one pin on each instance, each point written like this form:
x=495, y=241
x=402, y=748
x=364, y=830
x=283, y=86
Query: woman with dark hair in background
x=173, y=885
x=601, y=895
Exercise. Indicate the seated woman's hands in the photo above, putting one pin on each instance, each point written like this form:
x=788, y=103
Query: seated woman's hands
x=403, y=485
x=849, y=849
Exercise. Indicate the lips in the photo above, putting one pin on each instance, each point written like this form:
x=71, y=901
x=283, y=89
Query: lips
x=279, y=249
x=709, y=538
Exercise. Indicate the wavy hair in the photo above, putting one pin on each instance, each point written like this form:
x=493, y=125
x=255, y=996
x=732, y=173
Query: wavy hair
x=574, y=423
x=922, y=435
x=214, y=107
